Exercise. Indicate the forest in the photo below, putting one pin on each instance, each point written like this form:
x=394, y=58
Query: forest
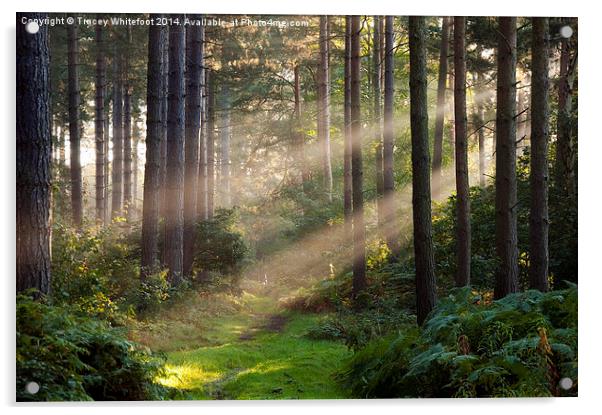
x=295, y=207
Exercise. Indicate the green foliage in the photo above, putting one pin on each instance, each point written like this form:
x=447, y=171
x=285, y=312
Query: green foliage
x=521, y=345
x=220, y=244
x=74, y=357
x=562, y=234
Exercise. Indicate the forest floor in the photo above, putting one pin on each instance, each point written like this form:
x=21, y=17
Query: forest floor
x=220, y=346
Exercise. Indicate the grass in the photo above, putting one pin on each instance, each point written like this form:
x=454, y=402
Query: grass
x=208, y=359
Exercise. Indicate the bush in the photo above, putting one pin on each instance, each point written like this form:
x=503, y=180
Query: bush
x=521, y=345
x=73, y=357
x=94, y=270
x=221, y=246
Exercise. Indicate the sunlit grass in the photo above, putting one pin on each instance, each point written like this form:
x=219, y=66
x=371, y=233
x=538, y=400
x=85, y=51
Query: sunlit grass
x=282, y=365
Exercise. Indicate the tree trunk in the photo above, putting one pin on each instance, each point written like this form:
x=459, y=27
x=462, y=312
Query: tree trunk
x=34, y=149
x=359, y=231
x=440, y=114
x=388, y=141
x=210, y=144
x=154, y=122
x=224, y=147
x=463, y=234
x=480, y=121
x=565, y=167
x=117, y=173
x=506, y=281
x=163, y=169
x=378, y=148
x=426, y=295
x=193, y=126
x=202, y=179
x=324, y=105
x=174, y=220
x=135, y=168
x=127, y=134
x=99, y=124
x=540, y=117
x=299, y=135
x=106, y=164
x=74, y=126
x=347, y=177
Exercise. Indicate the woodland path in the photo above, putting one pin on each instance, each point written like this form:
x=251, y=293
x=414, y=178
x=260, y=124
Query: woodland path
x=258, y=352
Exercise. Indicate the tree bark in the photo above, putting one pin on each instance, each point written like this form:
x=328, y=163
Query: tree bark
x=193, y=125
x=359, y=231
x=480, y=121
x=540, y=117
x=154, y=121
x=388, y=140
x=506, y=281
x=117, y=173
x=440, y=114
x=74, y=126
x=426, y=295
x=565, y=167
x=463, y=233
x=99, y=124
x=34, y=150
x=378, y=138
x=347, y=177
x=210, y=144
x=163, y=169
x=324, y=105
x=106, y=164
x=174, y=220
x=127, y=133
x=202, y=180
x=224, y=147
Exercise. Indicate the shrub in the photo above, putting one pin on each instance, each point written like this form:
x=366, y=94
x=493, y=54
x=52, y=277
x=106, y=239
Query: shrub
x=73, y=357
x=521, y=345
x=221, y=246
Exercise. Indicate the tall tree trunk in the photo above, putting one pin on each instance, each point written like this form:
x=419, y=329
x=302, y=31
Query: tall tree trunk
x=154, y=121
x=376, y=89
x=347, y=177
x=34, y=149
x=480, y=121
x=202, y=179
x=193, y=126
x=106, y=164
x=174, y=221
x=324, y=105
x=224, y=147
x=463, y=234
x=99, y=124
x=127, y=133
x=388, y=139
x=565, y=167
x=210, y=144
x=135, y=168
x=359, y=231
x=163, y=157
x=426, y=295
x=506, y=280
x=540, y=117
x=74, y=126
x=299, y=134
x=440, y=115
x=117, y=173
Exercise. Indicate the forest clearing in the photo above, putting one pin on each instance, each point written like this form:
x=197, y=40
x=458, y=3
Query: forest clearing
x=322, y=207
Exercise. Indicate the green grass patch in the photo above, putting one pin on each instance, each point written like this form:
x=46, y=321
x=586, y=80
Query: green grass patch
x=222, y=346
x=271, y=365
